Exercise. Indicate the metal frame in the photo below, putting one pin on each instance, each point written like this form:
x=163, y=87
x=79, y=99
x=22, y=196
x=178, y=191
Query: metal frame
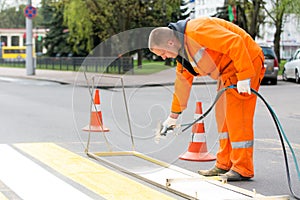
x=91, y=89
x=99, y=156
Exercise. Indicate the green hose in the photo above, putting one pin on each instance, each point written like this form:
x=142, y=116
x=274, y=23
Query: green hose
x=280, y=131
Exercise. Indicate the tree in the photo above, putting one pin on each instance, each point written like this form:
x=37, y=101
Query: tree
x=100, y=19
x=12, y=18
x=247, y=15
x=277, y=15
x=257, y=17
x=56, y=40
x=89, y=22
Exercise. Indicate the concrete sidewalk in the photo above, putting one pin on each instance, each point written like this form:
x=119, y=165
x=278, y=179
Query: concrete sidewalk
x=165, y=77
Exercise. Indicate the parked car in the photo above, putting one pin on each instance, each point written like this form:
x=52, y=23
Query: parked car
x=271, y=64
x=291, y=69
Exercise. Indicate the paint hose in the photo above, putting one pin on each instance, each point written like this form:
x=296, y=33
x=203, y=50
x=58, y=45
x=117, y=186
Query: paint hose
x=282, y=135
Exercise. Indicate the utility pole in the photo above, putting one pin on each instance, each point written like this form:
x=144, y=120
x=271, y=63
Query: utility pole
x=30, y=68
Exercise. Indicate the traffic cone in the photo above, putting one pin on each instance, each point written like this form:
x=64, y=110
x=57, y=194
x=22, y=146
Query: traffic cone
x=197, y=150
x=96, y=122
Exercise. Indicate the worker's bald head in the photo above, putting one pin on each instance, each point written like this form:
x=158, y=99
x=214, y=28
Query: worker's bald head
x=159, y=37
x=164, y=43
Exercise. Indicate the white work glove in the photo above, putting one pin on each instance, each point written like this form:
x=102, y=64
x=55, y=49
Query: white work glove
x=244, y=86
x=168, y=123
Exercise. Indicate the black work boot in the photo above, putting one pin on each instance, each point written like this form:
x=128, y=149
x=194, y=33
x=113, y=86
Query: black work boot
x=234, y=176
x=215, y=171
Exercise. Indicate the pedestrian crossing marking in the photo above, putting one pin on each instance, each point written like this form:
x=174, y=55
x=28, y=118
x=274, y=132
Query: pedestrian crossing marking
x=30, y=181
x=91, y=175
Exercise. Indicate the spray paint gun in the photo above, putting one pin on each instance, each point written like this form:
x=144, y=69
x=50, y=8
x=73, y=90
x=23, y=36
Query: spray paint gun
x=161, y=131
x=163, y=128
x=169, y=126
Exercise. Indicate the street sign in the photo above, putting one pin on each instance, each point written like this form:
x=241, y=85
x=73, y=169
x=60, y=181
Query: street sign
x=30, y=12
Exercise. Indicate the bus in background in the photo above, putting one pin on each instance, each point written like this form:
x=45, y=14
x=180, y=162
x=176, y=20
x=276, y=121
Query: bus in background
x=14, y=53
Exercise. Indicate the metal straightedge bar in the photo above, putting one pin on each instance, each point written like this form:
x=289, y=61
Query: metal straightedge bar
x=169, y=181
x=187, y=178
x=97, y=156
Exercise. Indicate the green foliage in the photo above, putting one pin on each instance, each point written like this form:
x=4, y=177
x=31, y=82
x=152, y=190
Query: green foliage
x=78, y=26
x=93, y=21
x=277, y=14
x=12, y=18
x=56, y=38
x=248, y=14
x=77, y=18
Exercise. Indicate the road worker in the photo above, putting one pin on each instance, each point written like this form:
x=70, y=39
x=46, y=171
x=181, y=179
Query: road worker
x=220, y=49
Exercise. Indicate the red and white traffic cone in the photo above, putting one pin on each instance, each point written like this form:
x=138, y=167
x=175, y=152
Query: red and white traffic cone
x=197, y=150
x=96, y=121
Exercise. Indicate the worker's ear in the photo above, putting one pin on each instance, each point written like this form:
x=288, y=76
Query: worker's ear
x=171, y=42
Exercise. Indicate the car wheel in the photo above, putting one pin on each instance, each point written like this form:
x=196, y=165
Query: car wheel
x=273, y=81
x=297, y=76
x=284, y=76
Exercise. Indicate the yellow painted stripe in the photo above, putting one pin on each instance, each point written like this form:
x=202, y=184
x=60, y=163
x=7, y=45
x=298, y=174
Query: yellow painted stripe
x=3, y=197
x=91, y=175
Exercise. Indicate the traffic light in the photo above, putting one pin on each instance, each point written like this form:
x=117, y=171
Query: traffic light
x=231, y=13
x=40, y=38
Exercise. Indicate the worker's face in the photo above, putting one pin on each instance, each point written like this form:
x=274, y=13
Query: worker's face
x=168, y=51
x=164, y=54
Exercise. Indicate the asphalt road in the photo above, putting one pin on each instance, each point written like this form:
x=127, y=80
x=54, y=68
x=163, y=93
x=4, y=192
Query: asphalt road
x=41, y=111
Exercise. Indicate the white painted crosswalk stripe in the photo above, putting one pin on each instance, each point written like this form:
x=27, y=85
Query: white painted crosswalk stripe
x=30, y=181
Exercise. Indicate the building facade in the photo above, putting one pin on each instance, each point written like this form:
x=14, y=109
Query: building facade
x=17, y=37
x=290, y=37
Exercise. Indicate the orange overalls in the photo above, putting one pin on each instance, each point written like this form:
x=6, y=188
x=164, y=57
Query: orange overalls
x=227, y=53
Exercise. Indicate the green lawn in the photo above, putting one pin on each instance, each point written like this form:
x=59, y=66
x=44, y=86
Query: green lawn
x=282, y=62
x=150, y=67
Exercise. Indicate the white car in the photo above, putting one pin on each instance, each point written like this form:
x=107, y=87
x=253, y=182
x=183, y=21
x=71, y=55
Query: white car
x=291, y=68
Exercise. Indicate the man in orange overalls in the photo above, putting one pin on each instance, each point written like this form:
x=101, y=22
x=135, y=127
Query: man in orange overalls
x=222, y=50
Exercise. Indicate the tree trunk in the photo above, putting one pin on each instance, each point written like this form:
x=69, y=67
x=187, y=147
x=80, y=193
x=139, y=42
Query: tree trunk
x=278, y=25
x=254, y=21
x=277, y=42
x=168, y=62
x=140, y=58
